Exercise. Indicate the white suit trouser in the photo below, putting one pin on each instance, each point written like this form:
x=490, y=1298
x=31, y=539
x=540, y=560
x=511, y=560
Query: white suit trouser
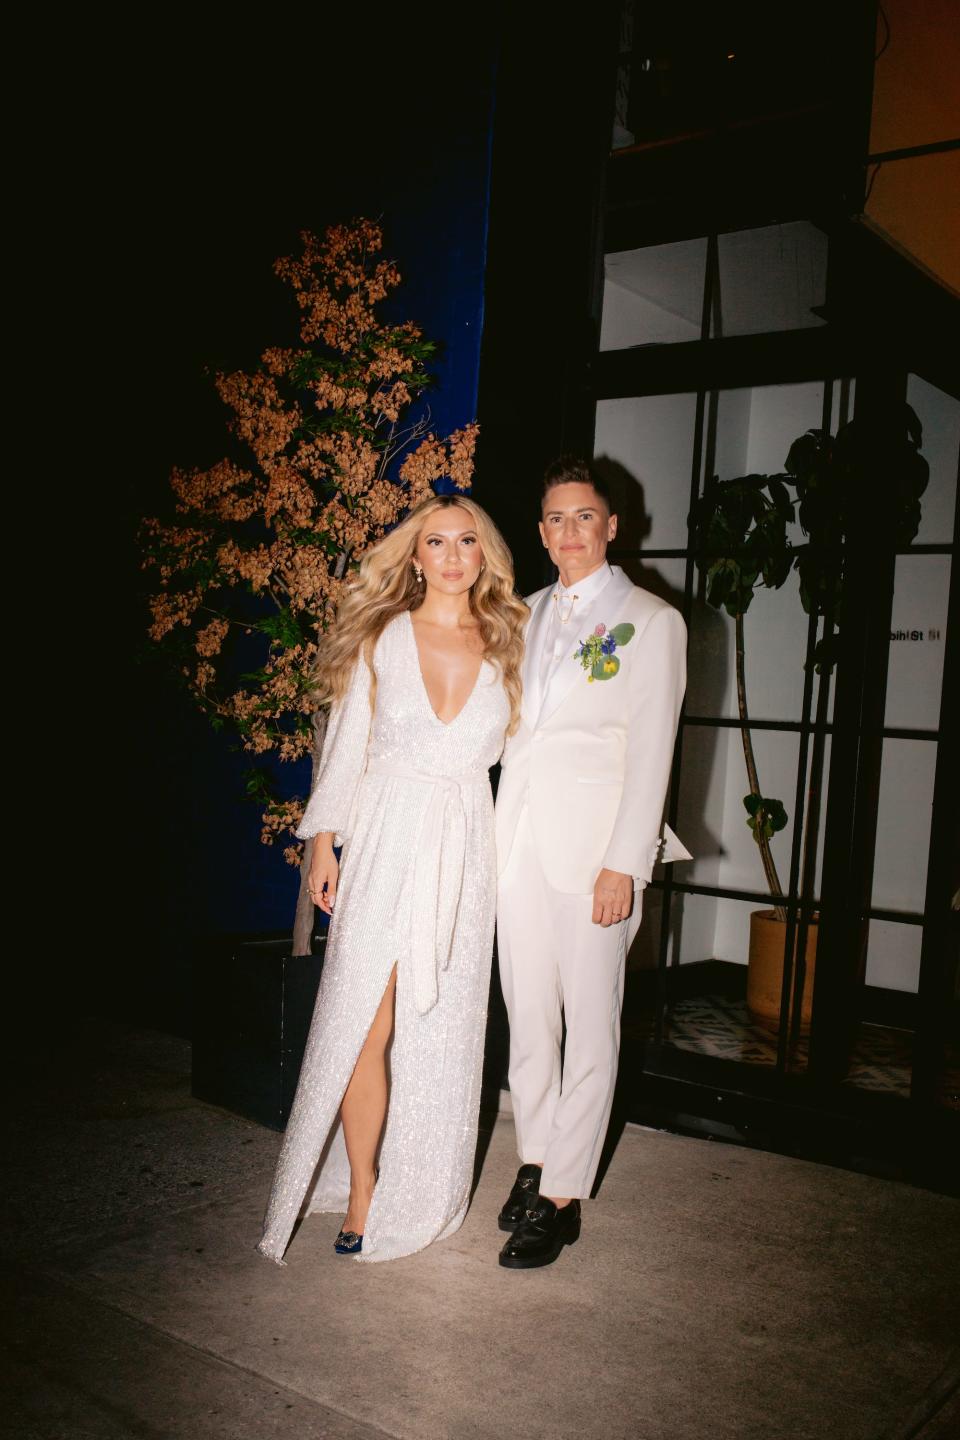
x=553, y=960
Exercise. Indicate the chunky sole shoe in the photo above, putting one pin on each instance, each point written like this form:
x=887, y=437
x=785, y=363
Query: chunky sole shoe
x=533, y=1262
x=540, y=1237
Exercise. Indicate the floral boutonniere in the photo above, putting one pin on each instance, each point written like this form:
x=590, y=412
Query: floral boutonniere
x=597, y=653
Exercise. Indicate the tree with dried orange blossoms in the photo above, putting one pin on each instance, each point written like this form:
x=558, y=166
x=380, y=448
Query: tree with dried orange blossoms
x=257, y=553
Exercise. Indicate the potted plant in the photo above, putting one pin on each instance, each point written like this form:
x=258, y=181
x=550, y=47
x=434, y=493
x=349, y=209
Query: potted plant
x=744, y=545
x=250, y=563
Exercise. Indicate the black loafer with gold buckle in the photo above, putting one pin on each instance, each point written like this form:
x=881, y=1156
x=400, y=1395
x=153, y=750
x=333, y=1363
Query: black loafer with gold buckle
x=526, y=1189
x=542, y=1234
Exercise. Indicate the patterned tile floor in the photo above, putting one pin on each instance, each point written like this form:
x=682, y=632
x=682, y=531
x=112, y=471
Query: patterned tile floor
x=721, y=1026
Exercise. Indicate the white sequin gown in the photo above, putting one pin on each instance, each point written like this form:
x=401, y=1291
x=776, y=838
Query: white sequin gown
x=410, y=798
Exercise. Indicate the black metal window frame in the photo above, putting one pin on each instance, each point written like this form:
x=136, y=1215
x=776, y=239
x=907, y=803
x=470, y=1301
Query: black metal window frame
x=706, y=367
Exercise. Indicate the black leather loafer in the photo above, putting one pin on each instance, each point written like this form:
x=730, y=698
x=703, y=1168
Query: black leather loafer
x=541, y=1235
x=526, y=1189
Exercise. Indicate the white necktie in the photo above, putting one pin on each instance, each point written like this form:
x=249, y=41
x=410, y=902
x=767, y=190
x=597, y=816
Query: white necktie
x=559, y=638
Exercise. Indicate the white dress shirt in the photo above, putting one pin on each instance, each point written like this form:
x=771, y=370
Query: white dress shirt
x=560, y=636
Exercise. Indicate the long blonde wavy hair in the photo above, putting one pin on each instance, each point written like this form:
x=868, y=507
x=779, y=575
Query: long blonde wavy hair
x=386, y=586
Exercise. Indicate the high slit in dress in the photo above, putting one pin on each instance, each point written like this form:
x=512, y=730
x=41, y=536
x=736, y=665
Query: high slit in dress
x=409, y=797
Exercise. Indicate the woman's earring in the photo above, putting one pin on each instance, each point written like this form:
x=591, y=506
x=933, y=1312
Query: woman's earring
x=418, y=572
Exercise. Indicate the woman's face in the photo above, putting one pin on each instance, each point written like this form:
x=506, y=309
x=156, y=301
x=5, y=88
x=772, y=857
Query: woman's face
x=448, y=551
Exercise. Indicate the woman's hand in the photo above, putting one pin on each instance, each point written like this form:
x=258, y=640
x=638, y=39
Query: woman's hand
x=324, y=873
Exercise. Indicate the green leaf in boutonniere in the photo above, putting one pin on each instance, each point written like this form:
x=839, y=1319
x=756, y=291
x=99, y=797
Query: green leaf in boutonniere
x=623, y=633
x=605, y=668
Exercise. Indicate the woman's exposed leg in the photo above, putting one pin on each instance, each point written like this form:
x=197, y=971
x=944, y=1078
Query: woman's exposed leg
x=364, y=1110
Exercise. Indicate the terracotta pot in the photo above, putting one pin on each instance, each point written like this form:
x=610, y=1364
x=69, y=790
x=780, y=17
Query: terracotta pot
x=768, y=937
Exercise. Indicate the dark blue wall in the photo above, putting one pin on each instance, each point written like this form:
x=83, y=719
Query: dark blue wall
x=190, y=864
x=436, y=228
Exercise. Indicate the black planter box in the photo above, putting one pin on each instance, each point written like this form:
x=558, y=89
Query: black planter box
x=252, y=1006
x=253, y=1002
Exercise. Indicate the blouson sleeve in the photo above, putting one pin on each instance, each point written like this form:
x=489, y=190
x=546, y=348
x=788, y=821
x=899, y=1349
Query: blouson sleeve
x=343, y=761
x=658, y=674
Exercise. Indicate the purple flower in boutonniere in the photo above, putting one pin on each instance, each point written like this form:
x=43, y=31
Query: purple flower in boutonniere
x=596, y=653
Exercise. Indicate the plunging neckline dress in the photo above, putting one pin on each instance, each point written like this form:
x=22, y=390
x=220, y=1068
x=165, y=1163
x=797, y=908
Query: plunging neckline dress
x=408, y=796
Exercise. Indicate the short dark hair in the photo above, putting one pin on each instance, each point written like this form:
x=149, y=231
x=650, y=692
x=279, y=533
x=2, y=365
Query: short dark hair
x=573, y=470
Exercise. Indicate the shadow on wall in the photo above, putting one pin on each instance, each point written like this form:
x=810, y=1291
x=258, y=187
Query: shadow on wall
x=707, y=668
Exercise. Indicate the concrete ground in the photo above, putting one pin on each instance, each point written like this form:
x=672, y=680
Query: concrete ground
x=715, y=1292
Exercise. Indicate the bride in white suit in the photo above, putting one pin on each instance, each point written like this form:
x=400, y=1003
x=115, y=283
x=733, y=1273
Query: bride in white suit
x=579, y=813
x=423, y=667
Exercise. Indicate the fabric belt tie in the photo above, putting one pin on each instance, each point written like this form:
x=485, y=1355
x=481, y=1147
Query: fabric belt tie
x=438, y=856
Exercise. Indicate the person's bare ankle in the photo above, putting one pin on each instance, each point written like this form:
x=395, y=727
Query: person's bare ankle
x=361, y=1194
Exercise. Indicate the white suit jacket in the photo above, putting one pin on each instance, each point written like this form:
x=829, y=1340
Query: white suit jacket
x=594, y=763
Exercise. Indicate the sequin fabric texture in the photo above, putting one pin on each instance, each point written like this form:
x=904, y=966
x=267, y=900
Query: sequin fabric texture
x=409, y=796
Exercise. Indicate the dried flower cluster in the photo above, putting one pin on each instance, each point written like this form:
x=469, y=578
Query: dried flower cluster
x=255, y=556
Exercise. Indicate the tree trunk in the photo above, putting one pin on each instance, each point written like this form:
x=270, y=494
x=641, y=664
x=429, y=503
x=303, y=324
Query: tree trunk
x=769, y=868
x=303, y=919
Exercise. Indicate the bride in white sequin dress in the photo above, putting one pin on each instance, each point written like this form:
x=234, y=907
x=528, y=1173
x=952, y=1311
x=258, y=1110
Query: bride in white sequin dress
x=404, y=785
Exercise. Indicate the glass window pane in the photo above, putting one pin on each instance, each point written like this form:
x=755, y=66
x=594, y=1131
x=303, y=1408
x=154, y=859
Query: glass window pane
x=771, y=279
x=882, y=1057
x=696, y=922
x=824, y=785
x=903, y=824
x=918, y=631
x=939, y=414
x=645, y=447
x=708, y=1011
x=769, y=420
x=711, y=818
x=710, y=661
x=663, y=578
x=700, y=808
x=653, y=296
x=740, y=866
x=893, y=955
x=774, y=643
x=754, y=431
